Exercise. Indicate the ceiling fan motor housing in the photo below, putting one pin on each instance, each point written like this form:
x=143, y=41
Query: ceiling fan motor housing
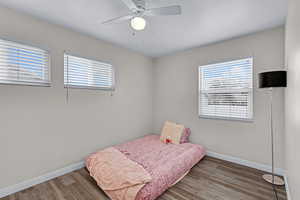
x=140, y=4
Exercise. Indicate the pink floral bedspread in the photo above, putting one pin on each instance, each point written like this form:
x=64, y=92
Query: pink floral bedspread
x=166, y=163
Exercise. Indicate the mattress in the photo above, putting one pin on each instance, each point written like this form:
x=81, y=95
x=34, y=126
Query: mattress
x=166, y=163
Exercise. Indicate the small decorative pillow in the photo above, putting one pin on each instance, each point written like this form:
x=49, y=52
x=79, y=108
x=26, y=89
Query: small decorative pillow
x=171, y=132
x=185, y=136
x=166, y=131
x=177, y=134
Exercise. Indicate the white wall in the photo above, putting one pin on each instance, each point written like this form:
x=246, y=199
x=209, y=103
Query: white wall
x=292, y=99
x=40, y=132
x=176, y=92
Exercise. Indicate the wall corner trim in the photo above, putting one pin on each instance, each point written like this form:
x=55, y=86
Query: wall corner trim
x=287, y=188
x=40, y=179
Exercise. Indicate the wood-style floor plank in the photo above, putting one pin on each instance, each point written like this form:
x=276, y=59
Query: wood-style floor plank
x=210, y=179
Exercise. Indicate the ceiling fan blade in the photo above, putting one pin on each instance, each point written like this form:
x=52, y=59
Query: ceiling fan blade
x=130, y=4
x=170, y=10
x=118, y=19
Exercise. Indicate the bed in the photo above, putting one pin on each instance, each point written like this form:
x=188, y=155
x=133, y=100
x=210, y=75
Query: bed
x=155, y=164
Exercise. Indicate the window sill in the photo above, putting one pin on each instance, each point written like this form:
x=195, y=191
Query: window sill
x=89, y=88
x=227, y=118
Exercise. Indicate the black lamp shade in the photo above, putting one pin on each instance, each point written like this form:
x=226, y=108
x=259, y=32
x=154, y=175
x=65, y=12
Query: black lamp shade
x=272, y=79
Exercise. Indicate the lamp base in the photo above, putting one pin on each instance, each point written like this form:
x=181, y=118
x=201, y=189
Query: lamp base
x=269, y=179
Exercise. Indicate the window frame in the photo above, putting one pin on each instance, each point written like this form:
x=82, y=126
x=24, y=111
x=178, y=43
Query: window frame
x=251, y=119
x=25, y=83
x=90, y=87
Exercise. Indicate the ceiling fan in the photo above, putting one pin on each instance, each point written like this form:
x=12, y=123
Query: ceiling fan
x=139, y=10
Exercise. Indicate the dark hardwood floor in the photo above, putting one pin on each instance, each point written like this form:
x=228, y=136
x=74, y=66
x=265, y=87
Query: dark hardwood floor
x=210, y=179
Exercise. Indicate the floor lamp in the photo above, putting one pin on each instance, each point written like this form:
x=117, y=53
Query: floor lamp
x=271, y=80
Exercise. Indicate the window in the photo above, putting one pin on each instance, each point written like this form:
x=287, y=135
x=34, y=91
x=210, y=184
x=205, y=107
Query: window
x=21, y=64
x=225, y=90
x=85, y=73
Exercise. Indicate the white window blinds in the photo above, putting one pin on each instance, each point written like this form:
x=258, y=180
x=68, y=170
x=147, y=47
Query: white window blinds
x=225, y=90
x=22, y=64
x=86, y=73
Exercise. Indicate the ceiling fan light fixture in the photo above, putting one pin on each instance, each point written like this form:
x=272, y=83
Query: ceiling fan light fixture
x=138, y=23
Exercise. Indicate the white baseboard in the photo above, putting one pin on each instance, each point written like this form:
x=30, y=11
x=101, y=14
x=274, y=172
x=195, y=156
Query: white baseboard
x=29, y=183
x=247, y=163
x=287, y=188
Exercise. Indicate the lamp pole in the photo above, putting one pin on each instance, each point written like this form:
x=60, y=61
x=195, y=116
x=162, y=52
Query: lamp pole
x=272, y=178
x=272, y=132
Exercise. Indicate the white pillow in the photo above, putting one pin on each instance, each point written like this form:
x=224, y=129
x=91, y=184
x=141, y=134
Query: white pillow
x=172, y=132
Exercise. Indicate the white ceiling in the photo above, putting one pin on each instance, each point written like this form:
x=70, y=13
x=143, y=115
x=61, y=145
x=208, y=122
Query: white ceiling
x=202, y=21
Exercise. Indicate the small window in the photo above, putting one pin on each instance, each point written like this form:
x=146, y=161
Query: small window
x=22, y=64
x=226, y=91
x=86, y=73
